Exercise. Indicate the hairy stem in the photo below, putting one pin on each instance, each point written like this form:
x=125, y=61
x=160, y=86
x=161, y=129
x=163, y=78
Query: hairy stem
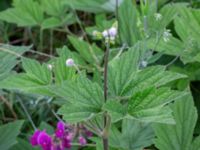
x=106, y=122
x=106, y=71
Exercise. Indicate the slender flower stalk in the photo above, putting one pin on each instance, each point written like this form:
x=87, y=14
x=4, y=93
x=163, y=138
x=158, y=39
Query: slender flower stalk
x=105, y=131
x=27, y=114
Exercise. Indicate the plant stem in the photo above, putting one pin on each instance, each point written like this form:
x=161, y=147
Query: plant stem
x=9, y=106
x=51, y=41
x=117, y=17
x=106, y=122
x=41, y=40
x=27, y=114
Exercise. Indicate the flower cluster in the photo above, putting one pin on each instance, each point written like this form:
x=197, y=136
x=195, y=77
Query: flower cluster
x=109, y=34
x=166, y=35
x=158, y=16
x=62, y=138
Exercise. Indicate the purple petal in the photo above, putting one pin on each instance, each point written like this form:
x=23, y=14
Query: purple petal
x=34, y=138
x=45, y=141
x=82, y=140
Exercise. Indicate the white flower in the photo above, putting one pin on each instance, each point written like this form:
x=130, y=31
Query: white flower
x=105, y=33
x=94, y=33
x=70, y=62
x=112, y=32
x=166, y=35
x=158, y=16
x=50, y=67
x=144, y=63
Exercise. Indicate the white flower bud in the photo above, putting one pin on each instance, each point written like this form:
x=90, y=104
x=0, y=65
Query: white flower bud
x=166, y=35
x=105, y=33
x=70, y=62
x=94, y=33
x=144, y=63
x=158, y=16
x=50, y=67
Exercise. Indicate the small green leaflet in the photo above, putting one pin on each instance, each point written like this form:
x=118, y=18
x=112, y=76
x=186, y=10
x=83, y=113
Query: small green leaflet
x=148, y=105
x=151, y=76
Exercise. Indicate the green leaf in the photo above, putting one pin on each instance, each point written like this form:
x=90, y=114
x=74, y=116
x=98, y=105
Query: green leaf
x=88, y=5
x=134, y=135
x=196, y=144
x=61, y=71
x=54, y=7
x=168, y=12
x=36, y=71
x=173, y=47
x=116, y=110
x=149, y=105
x=151, y=76
x=121, y=70
x=85, y=98
x=83, y=92
x=24, y=13
x=188, y=19
x=187, y=47
x=9, y=132
x=8, y=58
x=90, y=53
x=128, y=17
x=23, y=145
x=37, y=79
x=51, y=23
x=73, y=113
x=180, y=135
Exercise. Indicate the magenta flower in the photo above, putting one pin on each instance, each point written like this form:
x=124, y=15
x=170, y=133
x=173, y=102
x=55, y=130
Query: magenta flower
x=34, y=138
x=60, y=131
x=66, y=143
x=45, y=141
x=82, y=140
